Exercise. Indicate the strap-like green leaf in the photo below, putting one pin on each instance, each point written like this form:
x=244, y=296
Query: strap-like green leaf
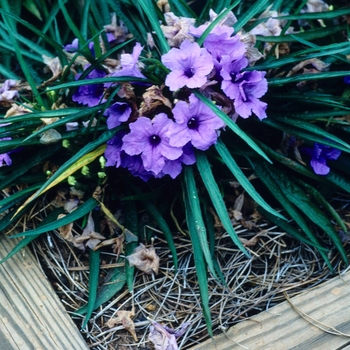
x=113, y=283
x=305, y=77
x=76, y=214
x=277, y=191
x=152, y=209
x=94, y=263
x=148, y=8
x=216, y=198
x=242, y=179
x=199, y=259
x=245, y=17
x=231, y=124
x=196, y=213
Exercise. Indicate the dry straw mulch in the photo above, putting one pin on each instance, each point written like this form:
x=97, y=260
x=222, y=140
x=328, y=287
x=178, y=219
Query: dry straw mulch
x=278, y=264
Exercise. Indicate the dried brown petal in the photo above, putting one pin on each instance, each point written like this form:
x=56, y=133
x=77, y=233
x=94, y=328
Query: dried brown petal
x=66, y=230
x=124, y=318
x=152, y=98
x=54, y=65
x=16, y=110
x=145, y=259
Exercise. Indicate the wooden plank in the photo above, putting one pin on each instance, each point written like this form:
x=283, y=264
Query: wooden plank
x=31, y=315
x=283, y=328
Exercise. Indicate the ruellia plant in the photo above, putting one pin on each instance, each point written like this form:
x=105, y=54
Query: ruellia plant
x=113, y=109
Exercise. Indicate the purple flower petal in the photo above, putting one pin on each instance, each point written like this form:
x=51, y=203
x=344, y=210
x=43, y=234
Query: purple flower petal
x=189, y=66
x=90, y=95
x=195, y=123
x=319, y=166
x=319, y=155
x=117, y=113
x=5, y=159
x=129, y=63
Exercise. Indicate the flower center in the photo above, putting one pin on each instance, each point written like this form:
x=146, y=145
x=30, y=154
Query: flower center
x=154, y=140
x=193, y=123
x=189, y=72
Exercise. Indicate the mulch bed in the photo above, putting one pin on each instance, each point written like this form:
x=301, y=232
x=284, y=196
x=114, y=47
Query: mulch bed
x=278, y=264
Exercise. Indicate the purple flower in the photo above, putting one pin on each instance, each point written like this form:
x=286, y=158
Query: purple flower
x=5, y=93
x=195, y=123
x=319, y=156
x=347, y=79
x=219, y=42
x=129, y=63
x=117, y=113
x=90, y=95
x=148, y=138
x=244, y=88
x=174, y=167
x=189, y=66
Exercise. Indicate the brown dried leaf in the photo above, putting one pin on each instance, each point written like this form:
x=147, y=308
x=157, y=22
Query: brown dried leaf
x=152, y=98
x=66, y=230
x=16, y=110
x=319, y=66
x=54, y=65
x=89, y=237
x=145, y=259
x=124, y=318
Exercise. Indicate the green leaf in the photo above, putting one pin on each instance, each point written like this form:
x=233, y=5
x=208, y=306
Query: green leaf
x=264, y=173
x=97, y=81
x=152, y=209
x=194, y=206
x=305, y=77
x=199, y=260
x=215, y=22
x=148, y=8
x=38, y=32
x=230, y=123
x=245, y=17
x=40, y=155
x=296, y=196
x=83, y=157
x=180, y=8
x=26, y=240
x=242, y=179
x=285, y=226
x=216, y=198
x=113, y=283
x=323, y=203
x=131, y=240
x=319, y=135
x=308, y=35
x=76, y=214
x=10, y=201
x=94, y=262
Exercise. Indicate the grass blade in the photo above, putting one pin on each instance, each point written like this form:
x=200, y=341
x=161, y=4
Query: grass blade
x=242, y=179
x=94, y=263
x=194, y=206
x=216, y=198
x=199, y=261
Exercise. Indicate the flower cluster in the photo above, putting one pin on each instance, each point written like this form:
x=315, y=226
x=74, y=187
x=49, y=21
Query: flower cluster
x=159, y=142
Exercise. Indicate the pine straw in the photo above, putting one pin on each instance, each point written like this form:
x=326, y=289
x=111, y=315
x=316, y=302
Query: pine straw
x=278, y=264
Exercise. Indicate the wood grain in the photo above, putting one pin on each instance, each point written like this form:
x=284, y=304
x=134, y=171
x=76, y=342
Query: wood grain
x=283, y=327
x=31, y=315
